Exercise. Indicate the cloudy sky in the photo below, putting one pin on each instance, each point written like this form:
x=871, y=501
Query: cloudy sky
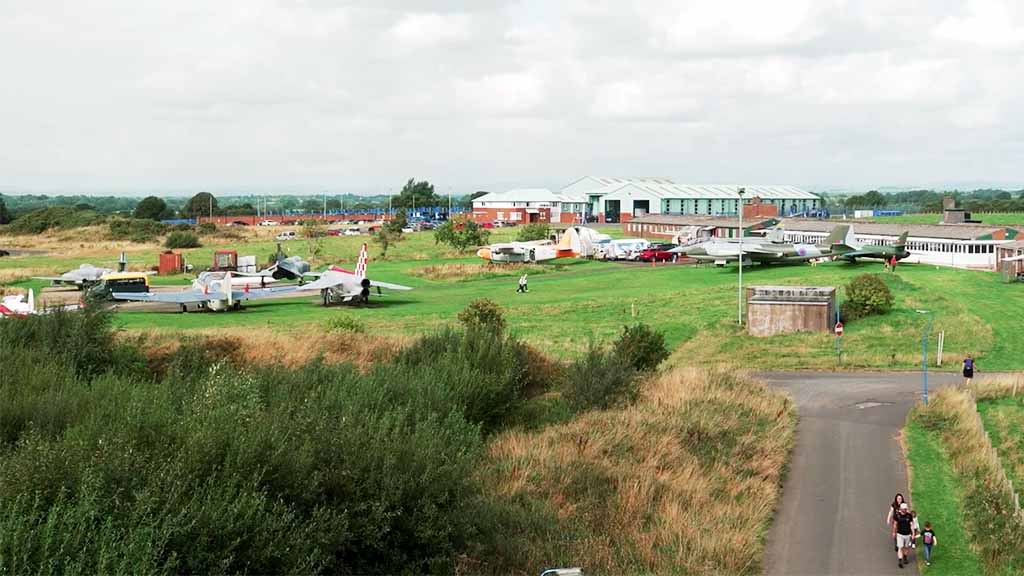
x=233, y=95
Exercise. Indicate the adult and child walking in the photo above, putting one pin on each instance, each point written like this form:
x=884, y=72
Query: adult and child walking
x=522, y=285
x=905, y=531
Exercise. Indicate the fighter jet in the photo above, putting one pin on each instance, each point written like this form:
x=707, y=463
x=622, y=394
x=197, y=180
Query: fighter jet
x=22, y=305
x=856, y=250
x=211, y=291
x=760, y=251
x=340, y=286
x=82, y=277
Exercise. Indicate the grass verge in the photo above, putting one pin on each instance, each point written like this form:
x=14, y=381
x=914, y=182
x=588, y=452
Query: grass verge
x=634, y=490
x=994, y=535
x=936, y=495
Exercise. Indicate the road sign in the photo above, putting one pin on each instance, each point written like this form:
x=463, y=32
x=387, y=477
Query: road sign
x=839, y=328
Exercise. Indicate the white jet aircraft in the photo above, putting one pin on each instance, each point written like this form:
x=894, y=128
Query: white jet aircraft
x=340, y=286
x=212, y=291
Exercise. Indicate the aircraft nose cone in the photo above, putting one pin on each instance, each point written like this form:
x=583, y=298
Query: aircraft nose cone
x=484, y=253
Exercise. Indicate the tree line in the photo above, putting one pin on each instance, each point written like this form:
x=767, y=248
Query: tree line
x=981, y=200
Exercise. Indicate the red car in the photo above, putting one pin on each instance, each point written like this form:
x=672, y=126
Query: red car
x=487, y=225
x=658, y=253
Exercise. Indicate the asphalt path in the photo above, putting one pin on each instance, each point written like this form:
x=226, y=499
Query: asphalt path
x=847, y=465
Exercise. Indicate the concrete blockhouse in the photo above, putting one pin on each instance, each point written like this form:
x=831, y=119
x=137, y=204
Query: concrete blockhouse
x=782, y=309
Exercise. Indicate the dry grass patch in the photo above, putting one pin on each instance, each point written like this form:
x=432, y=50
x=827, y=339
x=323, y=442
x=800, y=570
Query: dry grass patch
x=683, y=482
x=262, y=347
x=464, y=271
x=12, y=275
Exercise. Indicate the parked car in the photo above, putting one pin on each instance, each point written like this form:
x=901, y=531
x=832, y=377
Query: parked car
x=334, y=231
x=487, y=225
x=353, y=231
x=657, y=253
x=286, y=235
x=268, y=223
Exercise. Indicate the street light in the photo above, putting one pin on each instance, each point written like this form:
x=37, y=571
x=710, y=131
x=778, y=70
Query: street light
x=924, y=354
x=739, y=291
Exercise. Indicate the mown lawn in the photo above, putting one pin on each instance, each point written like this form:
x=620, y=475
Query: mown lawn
x=573, y=301
x=937, y=498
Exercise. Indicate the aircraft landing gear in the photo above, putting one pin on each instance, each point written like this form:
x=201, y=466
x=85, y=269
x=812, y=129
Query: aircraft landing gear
x=236, y=306
x=183, y=308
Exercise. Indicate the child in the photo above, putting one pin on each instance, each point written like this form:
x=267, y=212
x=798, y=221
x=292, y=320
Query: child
x=917, y=529
x=929, y=540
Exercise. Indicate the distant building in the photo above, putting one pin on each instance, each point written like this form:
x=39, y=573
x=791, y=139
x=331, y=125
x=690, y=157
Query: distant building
x=610, y=199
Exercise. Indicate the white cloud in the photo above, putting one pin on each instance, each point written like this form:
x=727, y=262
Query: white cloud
x=989, y=24
x=414, y=31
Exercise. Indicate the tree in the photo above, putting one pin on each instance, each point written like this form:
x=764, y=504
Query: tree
x=199, y=205
x=312, y=205
x=386, y=237
x=461, y=233
x=866, y=295
x=5, y=216
x=396, y=224
x=417, y=194
x=333, y=204
x=150, y=208
x=534, y=231
x=243, y=209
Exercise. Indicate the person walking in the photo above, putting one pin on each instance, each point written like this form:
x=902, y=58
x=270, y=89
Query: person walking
x=903, y=531
x=522, y=285
x=968, y=370
x=892, y=264
x=890, y=517
x=928, y=539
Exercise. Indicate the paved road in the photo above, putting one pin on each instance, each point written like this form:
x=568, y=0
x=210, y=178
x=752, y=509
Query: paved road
x=846, y=467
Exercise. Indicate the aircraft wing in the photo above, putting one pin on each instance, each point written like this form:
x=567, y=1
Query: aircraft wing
x=328, y=279
x=262, y=292
x=53, y=279
x=389, y=286
x=734, y=250
x=186, y=297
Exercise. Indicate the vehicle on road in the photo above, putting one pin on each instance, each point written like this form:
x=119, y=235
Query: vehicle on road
x=353, y=231
x=286, y=235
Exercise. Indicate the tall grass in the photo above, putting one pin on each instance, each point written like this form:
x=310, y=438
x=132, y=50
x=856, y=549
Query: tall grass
x=994, y=532
x=683, y=482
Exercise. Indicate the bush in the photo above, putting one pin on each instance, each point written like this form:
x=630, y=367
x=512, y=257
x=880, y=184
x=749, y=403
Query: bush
x=182, y=240
x=642, y=347
x=483, y=313
x=54, y=217
x=136, y=230
x=345, y=323
x=535, y=231
x=866, y=295
x=206, y=228
x=600, y=379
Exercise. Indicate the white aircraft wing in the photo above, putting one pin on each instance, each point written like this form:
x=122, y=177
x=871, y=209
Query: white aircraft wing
x=734, y=250
x=53, y=279
x=255, y=293
x=389, y=286
x=185, y=297
x=328, y=279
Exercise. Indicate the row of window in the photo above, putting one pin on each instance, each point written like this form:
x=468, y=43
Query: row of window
x=913, y=246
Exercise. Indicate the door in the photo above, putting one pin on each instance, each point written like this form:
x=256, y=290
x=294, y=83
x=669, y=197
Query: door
x=611, y=211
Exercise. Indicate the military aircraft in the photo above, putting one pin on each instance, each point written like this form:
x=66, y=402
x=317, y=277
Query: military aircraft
x=17, y=305
x=340, y=286
x=856, y=250
x=82, y=277
x=211, y=291
x=769, y=252
x=576, y=241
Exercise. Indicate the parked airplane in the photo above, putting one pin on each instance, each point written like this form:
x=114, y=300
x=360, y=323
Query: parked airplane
x=577, y=241
x=337, y=285
x=25, y=305
x=17, y=305
x=211, y=291
x=857, y=250
x=82, y=277
x=769, y=252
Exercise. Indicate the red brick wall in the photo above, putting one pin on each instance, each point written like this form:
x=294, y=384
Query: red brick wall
x=760, y=210
x=625, y=217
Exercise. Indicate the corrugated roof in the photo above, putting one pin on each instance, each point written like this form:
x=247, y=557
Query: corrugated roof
x=705, y=192
x=696, y=220
x=946, y=231
x=1015, y=245
x=521, y=195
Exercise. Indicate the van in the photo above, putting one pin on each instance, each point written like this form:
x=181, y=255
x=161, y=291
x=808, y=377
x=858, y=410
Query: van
x=131, y=282
x=286, y=235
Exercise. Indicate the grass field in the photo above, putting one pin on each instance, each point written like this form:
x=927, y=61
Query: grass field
x=1004, y=420
x=573, y=301
x=935, y=494
x=996, y=218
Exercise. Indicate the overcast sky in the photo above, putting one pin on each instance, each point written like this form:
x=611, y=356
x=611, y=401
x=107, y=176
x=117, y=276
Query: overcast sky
x=236, y=95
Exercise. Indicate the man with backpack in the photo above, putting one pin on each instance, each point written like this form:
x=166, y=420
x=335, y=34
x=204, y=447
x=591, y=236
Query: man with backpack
x=903, y=530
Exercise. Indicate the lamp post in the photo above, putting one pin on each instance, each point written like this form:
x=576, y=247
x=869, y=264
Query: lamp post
x=924, y=354
x=739, y=291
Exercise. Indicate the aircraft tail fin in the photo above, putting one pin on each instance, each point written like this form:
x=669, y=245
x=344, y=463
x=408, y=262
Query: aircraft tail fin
x=838, y=237
x=361, y=263
x=901, y=242
x=31, y=301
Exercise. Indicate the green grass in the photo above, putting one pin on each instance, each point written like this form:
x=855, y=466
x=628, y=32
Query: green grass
x=1004, y=420
x=936, y=496
x=574, y=301
x=995, y=218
